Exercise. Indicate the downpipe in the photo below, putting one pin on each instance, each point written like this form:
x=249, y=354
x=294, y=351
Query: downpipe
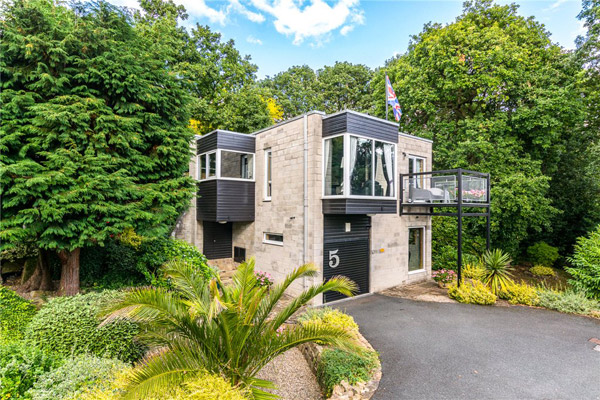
x=305, y=198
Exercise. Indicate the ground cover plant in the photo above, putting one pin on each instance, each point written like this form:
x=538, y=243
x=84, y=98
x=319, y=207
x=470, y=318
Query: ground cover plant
x=329, y=317
x=568, y=301
x=15, y=314
x=336, y=365
x=73, y=376
x=540, y=270
x=520, y=293
x=71, y=326
x=473, y=271
x=225, y=329
x=472, y=292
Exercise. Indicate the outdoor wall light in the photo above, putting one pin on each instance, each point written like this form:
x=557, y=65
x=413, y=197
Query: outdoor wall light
x=222, y=222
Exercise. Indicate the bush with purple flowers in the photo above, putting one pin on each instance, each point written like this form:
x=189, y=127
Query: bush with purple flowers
x=444, y=275
x=263, y=278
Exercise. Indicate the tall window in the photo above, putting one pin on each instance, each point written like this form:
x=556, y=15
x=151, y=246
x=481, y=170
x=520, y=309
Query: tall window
x=334, y=166
x=416, y=165
x=268, y=174
x=415, y=249
x=385, y=160
x=207, y=165
x=361, y=160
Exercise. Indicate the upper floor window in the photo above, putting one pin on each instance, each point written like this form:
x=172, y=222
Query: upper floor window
x=268, y=174
x=416, y=165
x=368, y=169
x=226, y=164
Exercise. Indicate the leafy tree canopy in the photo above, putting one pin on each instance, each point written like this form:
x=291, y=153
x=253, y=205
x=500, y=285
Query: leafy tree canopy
x=94, y=137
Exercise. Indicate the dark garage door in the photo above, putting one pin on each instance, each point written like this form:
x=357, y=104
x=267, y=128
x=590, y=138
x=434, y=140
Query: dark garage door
x=346, y=250
x=217, y=241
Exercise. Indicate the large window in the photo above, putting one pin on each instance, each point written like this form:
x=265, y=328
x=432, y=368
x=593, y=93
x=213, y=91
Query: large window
x=416, y=165
x=415, y=249
x=226, y=164
x=237, y=165
x=268, y=174
x=370, y=164
x=334, y=166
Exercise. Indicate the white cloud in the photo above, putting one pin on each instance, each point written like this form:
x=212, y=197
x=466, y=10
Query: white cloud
x=557, y=4
x=199, y=9
x=315, y=20
x=236, y=6
x=251, y=39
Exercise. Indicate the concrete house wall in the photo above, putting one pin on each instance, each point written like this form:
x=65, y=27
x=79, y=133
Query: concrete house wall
x=285, y=213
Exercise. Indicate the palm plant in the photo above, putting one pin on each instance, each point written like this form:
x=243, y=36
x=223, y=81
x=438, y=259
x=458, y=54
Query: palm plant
x=233, y=330
x=498, y=271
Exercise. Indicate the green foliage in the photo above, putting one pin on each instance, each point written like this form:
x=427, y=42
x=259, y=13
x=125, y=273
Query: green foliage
x=70, y=326
x=497, y=270
x=569, y=301
x=68, y=380
x=111, y=266
x=154, y=253
x=20, y=367
x=520, y=294
x=543, y=254
x=18, y=252
x=15, y=314
x=337, y=365
x=228, y=329
x=586, y=265
x=329, y=317
x=444, y=244
x=94, y=139
x=474, y=271
x=540, y=270
x=473, y=292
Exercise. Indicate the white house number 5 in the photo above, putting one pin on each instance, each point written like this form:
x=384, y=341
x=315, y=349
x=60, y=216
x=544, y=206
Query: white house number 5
x=334, y=259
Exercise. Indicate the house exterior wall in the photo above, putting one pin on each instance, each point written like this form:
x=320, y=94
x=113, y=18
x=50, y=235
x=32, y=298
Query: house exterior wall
x=284, y=213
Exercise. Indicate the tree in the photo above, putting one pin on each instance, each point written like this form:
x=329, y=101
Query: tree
x=345, y=86
x=495, y=95
x=233, y=330
x=94, y=138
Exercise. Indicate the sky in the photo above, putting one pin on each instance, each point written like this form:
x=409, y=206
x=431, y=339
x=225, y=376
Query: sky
x=278, y=34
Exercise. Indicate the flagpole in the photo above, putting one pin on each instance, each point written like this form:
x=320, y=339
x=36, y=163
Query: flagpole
x=386, y=102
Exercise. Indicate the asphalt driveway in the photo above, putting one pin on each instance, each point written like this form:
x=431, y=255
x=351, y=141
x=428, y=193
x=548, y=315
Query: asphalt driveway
x=461, y=351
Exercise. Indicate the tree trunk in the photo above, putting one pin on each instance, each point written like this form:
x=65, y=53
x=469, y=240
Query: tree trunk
x=42, y=276
x=69, y=277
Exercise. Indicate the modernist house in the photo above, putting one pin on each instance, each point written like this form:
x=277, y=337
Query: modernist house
x=322, y=189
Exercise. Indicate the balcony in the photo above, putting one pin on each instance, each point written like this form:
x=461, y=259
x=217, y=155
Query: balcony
x=456, y=188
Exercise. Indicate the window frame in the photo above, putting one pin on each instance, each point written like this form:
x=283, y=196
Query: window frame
x=422, y=269
x=267, y=194
x=346, y=180
x=217, y=175
x=266, y=240
x=412, y=159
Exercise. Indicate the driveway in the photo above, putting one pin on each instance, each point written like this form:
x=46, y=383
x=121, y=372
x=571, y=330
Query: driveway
x=460, y=351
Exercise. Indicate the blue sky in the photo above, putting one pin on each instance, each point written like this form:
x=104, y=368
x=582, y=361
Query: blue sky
x=278, y=34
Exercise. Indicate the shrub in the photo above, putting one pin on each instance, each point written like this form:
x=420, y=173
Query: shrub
x=443, y=275
x=473, y=271
x=569, y=301
x=154, y=253
x=520, y=294
x=263, y=278
x=20, y=366
x=337, y=365
x=329, y=317
x=202, y=386
x=68, y=380
x=15, y=314
x=542, y=253
x=69, y=326
x=498, y=270
x=540, y=270
x=473, y=292
x=586, y=265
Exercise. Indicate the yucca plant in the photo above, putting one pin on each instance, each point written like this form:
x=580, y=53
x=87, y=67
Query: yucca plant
x=233, y=330
x=498, y=271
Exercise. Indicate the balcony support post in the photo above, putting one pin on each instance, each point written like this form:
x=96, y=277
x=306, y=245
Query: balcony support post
x=489, y=212
x=460, y=212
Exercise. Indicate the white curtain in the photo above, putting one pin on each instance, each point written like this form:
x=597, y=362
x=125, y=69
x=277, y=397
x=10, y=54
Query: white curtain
x=328, y=167
x=353, y=144
x=389, y=167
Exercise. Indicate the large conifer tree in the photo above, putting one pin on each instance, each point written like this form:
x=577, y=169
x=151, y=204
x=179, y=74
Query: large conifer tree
x=93, y=138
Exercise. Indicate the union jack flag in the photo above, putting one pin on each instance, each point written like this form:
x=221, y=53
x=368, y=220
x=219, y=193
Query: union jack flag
x=392, y=99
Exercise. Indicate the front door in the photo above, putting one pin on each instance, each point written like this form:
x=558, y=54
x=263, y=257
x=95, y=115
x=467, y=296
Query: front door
x=217, y=240
x=346, y=251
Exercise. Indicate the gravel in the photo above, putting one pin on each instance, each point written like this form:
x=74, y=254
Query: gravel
x=293, y=377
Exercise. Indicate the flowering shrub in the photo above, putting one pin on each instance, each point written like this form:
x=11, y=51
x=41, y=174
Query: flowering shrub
x=540, y=270
x=263, y=278
x=443, y=275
